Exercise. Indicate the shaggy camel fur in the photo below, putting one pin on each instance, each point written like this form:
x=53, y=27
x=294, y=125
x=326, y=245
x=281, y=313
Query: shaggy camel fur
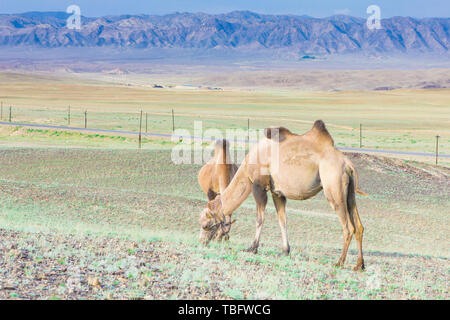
x=294, y=167
x=216, y=175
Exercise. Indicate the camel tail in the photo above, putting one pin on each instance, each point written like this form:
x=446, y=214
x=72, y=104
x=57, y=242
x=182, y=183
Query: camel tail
x=351, y=170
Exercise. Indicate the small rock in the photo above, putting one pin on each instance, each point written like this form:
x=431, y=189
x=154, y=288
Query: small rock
x=94, y=282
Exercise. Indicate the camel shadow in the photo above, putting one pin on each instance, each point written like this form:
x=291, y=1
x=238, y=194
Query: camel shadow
x=395, y=255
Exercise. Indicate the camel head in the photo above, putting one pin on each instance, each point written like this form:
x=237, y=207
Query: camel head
x=214, y=224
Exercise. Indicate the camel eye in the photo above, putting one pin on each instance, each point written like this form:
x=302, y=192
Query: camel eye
x=206, y=226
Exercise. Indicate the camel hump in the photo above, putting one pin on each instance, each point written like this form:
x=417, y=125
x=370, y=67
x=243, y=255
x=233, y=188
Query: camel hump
x=278, y=134
x=320, y=125
x=222, y=152
x=223, y=144
x=320, y=129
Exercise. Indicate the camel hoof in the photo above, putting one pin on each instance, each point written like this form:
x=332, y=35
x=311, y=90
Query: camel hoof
x=359, y=267
x=285, y=253
x=252, y=250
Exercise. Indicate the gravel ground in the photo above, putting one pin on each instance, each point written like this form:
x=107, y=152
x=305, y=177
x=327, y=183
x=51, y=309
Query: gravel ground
x=51, y=266
x=93, y=224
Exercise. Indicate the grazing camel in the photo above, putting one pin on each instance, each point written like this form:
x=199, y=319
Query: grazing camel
x=294, y=167
x=216, y=175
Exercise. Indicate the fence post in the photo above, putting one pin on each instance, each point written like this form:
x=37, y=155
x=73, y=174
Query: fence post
x=360, y=135
x=173, y=122
x=437, y=148
x=140, y=131
x=68, y=117
x=85, y=119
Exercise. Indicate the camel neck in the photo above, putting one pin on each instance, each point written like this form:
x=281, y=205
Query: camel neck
x=238, y=190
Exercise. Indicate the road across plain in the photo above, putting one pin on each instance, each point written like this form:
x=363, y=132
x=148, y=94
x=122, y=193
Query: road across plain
x=164, y=135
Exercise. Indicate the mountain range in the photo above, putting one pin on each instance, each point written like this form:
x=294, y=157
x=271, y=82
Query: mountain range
x=237, y=30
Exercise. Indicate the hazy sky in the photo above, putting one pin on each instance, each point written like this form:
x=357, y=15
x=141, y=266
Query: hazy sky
x=316, y=8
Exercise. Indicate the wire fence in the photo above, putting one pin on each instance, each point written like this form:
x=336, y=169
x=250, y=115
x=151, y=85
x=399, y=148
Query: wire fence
x=164, y=123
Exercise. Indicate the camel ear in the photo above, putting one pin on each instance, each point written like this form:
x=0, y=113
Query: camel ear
x=277, y=134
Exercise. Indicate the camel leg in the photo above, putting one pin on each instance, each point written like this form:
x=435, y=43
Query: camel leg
x=280, y=205
x=359, y=230
x=260, y=195
x=358, y=235
x=356, y=222
x=337, y=200
x=347, y=229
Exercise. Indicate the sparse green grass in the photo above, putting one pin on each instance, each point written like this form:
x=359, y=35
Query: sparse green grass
x=22, y=136
x=129, y=219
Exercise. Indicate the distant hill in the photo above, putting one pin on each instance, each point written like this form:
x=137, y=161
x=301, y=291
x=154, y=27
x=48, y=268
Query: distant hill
x=239, y=29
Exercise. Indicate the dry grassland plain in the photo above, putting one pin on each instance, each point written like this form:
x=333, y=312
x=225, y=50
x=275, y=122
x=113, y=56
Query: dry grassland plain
x=87, y=216
x=404, y=119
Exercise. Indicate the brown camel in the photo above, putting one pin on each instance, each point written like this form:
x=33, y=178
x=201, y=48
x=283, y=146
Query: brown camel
x=294, y=167
x=216, y=175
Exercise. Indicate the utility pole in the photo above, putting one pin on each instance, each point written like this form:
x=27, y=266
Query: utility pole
x=437, y=148
x=85, y=119
x=173, y=122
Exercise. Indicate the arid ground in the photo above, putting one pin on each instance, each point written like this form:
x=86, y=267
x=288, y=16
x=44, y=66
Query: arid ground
x=88, y=216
